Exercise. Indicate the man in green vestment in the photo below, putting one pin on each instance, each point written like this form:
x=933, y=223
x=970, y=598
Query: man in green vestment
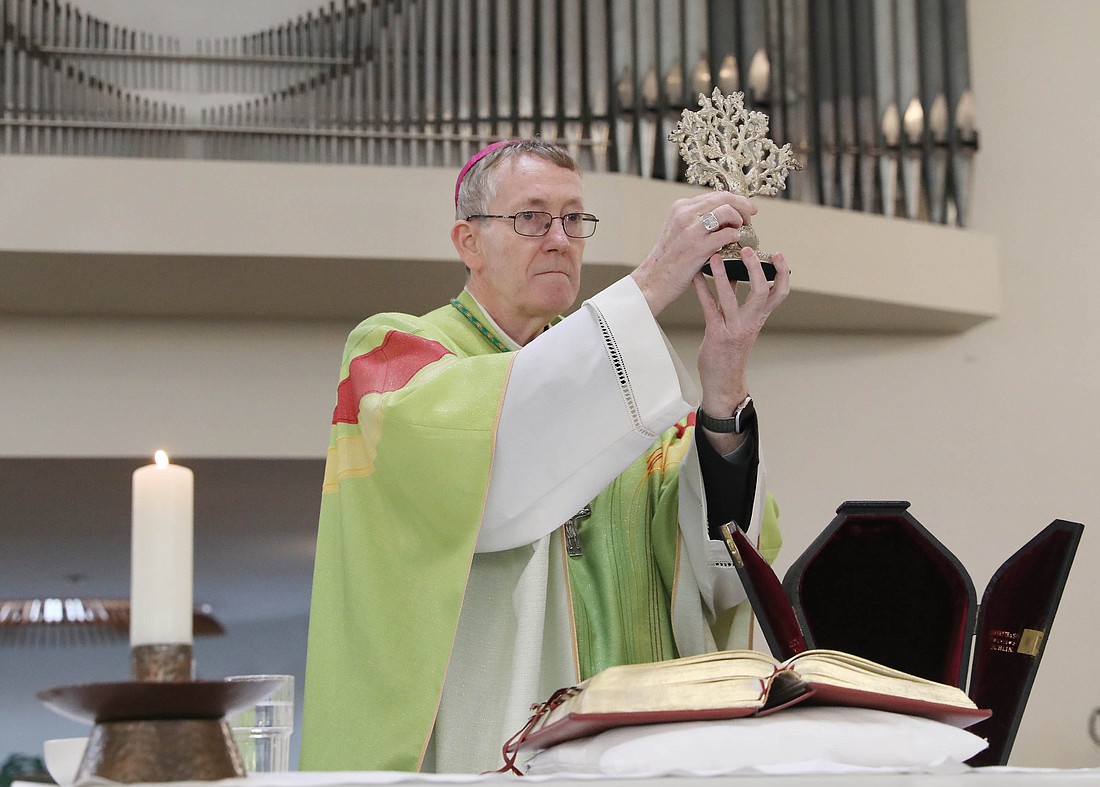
x=514, y=501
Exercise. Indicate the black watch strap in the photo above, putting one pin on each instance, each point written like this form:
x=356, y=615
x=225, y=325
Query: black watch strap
x=743, y=419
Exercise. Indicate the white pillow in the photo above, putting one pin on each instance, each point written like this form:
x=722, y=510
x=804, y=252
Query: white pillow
x=796, y=739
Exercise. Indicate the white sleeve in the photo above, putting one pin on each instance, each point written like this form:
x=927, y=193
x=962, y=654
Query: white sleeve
x=719, y=584
x=583, y=401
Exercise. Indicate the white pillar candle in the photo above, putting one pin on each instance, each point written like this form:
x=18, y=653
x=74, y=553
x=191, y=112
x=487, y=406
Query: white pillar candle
x=161, y=554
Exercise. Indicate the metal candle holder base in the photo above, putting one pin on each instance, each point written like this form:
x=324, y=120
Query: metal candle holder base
x=161, y=750
x=161, y=727
x=164, y=749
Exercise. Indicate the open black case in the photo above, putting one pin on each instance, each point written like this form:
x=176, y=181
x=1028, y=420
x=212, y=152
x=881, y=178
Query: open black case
x=877, y=584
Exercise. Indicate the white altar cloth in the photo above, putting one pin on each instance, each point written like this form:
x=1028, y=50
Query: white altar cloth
x=964, y=777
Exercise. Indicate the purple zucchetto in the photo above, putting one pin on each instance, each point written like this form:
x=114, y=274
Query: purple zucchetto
x=485, y=151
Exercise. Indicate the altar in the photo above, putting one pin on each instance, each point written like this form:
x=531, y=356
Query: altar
x=994, y=776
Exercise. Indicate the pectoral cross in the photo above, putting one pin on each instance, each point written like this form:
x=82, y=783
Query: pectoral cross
x=572, y=537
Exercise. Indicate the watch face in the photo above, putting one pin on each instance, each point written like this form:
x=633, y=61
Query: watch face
x=745, y=416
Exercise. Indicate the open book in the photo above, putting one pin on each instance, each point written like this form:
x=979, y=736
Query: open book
x=734, y=683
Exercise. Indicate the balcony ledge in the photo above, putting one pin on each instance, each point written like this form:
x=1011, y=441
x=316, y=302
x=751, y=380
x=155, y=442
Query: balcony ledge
x=240, y=240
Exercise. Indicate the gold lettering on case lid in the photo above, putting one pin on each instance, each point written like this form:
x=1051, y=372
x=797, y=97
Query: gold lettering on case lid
x=1031, y=641
x=1002, y=641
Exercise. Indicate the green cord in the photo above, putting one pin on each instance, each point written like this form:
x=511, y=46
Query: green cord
x=488, y=334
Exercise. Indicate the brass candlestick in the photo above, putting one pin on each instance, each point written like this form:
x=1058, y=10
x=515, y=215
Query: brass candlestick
x=162, y=726
x=161, y=663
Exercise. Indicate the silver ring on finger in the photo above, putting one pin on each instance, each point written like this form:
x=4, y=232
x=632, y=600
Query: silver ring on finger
x=710, y=222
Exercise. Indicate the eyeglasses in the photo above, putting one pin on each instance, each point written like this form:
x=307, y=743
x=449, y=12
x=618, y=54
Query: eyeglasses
x=536, y=223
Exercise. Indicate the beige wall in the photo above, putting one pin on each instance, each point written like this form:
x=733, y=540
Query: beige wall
x=991, y=433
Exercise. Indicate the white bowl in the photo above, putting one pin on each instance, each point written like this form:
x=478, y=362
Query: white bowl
x=63, y=756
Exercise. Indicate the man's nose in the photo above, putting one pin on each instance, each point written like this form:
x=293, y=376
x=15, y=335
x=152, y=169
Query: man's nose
x=557, y=232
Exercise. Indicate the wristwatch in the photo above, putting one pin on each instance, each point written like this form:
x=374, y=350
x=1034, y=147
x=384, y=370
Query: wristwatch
x=743, y=419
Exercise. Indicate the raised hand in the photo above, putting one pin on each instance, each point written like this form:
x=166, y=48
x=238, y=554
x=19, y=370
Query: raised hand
x=732, y=328
x=687, y=241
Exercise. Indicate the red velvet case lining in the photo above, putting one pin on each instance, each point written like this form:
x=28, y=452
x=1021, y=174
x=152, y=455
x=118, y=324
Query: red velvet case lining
x=1023, y=594
x=877, y=584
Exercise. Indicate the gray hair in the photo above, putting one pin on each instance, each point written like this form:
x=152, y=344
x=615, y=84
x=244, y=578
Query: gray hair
x=479, y=186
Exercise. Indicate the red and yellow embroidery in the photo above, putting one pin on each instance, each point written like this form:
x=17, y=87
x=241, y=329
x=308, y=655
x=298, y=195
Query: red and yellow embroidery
x=388, y=367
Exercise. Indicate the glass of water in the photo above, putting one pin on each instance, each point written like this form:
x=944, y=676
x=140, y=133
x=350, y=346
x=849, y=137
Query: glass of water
x=262, y=731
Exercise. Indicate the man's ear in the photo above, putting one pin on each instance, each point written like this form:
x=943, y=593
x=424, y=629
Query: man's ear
x=467, y=244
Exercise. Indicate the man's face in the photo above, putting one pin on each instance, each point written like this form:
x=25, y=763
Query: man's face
x=526, y=278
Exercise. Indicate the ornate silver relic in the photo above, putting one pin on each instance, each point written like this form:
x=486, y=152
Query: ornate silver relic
x=727, y=147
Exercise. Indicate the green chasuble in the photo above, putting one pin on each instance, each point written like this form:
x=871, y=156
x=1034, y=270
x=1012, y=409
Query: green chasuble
x=405, y=487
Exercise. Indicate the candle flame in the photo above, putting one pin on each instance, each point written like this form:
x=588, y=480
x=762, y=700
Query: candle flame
x=161, y=458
